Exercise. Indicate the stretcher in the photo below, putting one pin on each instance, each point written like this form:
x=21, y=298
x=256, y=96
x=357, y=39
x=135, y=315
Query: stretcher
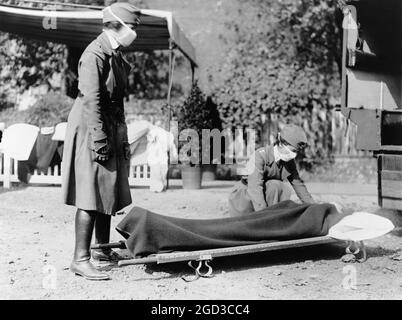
x=200, y=260
x=352, y=230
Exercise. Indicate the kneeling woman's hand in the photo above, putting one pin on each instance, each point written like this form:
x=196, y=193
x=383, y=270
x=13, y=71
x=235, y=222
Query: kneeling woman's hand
x=338, y=206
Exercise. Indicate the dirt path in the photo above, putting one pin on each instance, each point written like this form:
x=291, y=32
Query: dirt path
x=37, y=236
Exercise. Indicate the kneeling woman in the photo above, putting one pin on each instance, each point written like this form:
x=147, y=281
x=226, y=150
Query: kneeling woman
x=273, y=165
x=96, y=151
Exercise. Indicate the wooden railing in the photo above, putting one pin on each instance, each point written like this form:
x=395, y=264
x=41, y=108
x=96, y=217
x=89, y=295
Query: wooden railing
x=139, y=175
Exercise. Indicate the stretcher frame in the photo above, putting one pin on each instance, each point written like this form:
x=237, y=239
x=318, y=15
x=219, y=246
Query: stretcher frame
x=204, y=257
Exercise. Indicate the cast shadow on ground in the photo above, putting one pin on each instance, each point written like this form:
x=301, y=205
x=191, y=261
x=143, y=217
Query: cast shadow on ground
x=320, y=254
x=14, y=187
x=397, y=232
x=217, y=186
x=203, y=187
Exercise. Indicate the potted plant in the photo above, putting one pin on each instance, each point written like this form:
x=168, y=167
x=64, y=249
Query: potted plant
x=193, y=114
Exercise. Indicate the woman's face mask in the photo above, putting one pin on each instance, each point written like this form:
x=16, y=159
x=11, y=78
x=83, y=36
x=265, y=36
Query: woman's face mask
x=286, y=154
x=125, y=36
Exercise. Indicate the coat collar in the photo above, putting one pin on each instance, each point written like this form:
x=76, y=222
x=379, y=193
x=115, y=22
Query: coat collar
x=271, y=159
x=113, y=43
x=105, y=44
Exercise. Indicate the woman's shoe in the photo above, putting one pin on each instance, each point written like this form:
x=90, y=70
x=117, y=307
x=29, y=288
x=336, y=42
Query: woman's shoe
x=87, y=270
x=105, y=256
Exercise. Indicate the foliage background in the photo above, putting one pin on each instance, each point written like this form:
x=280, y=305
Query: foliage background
x=283, y=68
x=264, y=63
x=29, y=63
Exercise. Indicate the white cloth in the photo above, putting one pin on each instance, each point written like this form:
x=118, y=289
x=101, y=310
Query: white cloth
x=47, y=130
x=158, y=179
x=151, y=145
x=18, y=140
x=60, y=132
x=137, y=129
x=161, y=143
x=361, y=226
x=137, y=132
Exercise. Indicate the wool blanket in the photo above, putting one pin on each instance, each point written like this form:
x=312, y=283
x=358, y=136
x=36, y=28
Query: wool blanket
x=149, y=233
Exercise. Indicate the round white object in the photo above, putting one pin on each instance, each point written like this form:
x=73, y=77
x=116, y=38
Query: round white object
x=361, y=226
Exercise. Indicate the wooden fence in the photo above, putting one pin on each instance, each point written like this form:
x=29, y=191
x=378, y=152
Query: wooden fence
x=139, y=175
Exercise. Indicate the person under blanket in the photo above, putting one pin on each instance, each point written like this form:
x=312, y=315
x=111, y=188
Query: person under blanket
x=149, y=233
x=272, y=165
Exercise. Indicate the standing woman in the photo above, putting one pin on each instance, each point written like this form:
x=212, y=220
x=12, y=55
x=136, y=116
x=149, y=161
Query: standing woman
x=96, y=151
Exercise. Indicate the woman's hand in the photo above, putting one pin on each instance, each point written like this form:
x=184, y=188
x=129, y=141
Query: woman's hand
x=338, y=206
x=126, y=150
x=102, y=151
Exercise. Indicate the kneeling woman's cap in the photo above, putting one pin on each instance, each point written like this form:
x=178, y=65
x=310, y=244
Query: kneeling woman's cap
x=294, y=135
x=124, y=10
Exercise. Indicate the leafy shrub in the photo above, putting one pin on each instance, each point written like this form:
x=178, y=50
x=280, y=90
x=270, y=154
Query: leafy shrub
x=285, y=64
x=26, y=62
x=11, y=116
x=195, y=113
x=49, y=110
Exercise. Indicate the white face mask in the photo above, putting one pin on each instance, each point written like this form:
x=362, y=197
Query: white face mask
x=286, y=154
x=125, y=36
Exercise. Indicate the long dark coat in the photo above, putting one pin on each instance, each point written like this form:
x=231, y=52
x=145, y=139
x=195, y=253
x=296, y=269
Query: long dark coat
x=98, y=113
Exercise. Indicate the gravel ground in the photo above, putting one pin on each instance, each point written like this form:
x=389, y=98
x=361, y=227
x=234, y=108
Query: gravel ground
x=37, y=238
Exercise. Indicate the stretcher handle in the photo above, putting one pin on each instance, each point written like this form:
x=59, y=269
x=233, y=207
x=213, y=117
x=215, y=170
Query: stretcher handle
x=113, y=245
x=130, y=262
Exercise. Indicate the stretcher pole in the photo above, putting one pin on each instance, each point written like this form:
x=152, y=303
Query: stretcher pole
x=131, y=262
x=207, y=255
x=169, y=97
x=172, y=59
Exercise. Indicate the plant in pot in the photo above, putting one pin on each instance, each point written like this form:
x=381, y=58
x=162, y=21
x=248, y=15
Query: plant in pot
x=193, y=116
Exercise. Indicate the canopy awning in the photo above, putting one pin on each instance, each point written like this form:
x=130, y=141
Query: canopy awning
x=77, y=28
